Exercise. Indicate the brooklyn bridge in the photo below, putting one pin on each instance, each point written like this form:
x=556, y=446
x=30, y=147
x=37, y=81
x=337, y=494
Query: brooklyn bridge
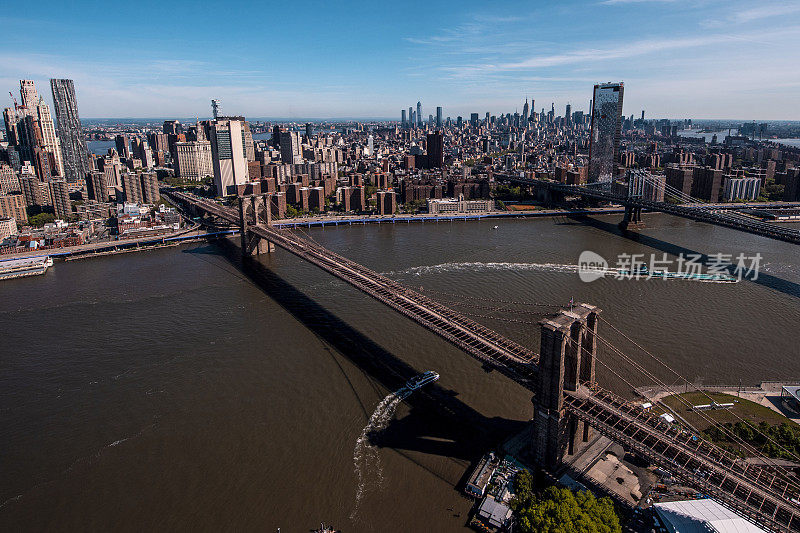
x=569, y=404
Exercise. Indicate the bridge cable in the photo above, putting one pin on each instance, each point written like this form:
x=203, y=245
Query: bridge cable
x=777, y=470
x=686, y=381
x=702, y=415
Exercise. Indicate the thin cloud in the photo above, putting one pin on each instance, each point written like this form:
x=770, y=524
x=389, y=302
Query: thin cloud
x=617, y=2
x=754, y=14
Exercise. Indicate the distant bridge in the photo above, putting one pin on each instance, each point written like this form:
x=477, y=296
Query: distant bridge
x=567, y=401
x=698, y=211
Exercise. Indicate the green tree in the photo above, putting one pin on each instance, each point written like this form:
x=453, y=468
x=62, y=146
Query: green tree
x=39, y=220
x=559, y=510
x=770, y=191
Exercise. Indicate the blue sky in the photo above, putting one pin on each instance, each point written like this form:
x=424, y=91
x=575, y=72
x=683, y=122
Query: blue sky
x=678, y=58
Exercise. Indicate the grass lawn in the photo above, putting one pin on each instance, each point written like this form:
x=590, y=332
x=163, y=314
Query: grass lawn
x=745, y=409
x=781, y=429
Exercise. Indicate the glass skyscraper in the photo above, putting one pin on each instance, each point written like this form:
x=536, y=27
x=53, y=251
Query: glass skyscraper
x=74, y=153
x=606, y=125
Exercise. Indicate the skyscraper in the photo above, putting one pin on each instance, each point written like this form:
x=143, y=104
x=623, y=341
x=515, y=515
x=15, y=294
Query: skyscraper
x=439, y=117
x=229, y=155
x=605, y=131
x=411, y=121
x=10, y=119
x=525, y=112
x=419, y=113
x=403, y=117
x=40, y=129
x=435, y=150
x=291, y=151
x=75, y=154
x=568, y=115
x=123, y=145
x=30, y=97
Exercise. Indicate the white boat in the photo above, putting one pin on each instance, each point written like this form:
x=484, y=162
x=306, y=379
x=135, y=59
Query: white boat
x=495, y=227
x=422, y=379
x=28, y=266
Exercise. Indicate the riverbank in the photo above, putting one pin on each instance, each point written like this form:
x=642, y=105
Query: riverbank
x=102, y=248
x=336, y=220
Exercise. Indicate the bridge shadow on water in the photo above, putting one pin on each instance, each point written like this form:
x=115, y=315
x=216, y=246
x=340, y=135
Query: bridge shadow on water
x=767, y=280
x=438, y=422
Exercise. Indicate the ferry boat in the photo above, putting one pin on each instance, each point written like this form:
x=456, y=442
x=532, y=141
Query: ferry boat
x=28, y=266
x=641, y=271
x=422, y=379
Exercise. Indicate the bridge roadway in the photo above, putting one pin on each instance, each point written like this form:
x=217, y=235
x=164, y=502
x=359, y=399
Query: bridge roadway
x=756, y=492
x=759, y=494
x=698, y=212
x=505, y=355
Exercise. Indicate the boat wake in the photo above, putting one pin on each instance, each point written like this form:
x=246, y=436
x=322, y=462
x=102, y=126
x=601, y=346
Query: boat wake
x=548, y=267
x=366, y=460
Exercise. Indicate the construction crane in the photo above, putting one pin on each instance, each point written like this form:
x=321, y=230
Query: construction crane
x=14, y=98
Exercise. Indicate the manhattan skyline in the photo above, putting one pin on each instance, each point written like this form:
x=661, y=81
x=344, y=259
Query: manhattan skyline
x=717, y=60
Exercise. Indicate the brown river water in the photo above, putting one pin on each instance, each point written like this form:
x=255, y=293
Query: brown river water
x=175, y=390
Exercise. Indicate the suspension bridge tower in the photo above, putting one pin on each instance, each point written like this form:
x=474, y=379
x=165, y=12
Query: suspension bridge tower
x=566, y=361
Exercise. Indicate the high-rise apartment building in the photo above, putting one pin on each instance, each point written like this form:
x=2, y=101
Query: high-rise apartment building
x=9, y=181
x=74, y=152
x=419, y=113
x=438, y=116
x=229, y=154
x=59, y=198
x=97, y=186
x=13, y=206
x=605, y=131
x=291, y=151
x=194, y=161
x=149, y=183
x=132, y=188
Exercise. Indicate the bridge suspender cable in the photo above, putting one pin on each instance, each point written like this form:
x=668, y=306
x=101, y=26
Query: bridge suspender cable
x=774, y=468
x=686, y=381
x=777, y=471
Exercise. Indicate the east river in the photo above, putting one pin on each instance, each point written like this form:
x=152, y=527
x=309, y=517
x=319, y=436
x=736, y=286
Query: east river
x=173, y=390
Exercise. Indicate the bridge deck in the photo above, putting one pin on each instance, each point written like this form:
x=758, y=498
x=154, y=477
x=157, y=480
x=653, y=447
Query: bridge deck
x=759, y=493
x=508, y=357
x=698, y=212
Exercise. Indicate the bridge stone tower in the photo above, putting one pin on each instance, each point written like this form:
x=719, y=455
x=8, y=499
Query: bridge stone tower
x=637, y=183
x=567, y=359
x=255, y=210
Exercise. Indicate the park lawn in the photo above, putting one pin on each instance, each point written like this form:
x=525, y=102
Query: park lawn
x=745, y=409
